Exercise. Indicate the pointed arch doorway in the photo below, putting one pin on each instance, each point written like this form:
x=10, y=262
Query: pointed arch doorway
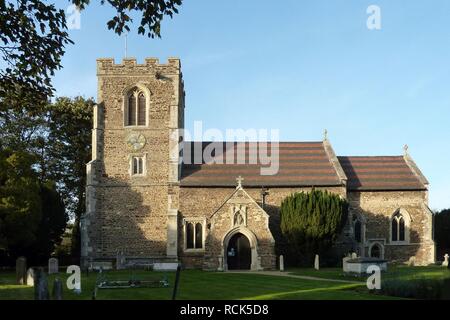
x=239, y=252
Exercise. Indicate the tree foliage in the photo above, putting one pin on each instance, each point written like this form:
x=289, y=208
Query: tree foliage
x=56, y=141
x=442, y=229
x=33, y=36
x=310, y=223
x=20, y=203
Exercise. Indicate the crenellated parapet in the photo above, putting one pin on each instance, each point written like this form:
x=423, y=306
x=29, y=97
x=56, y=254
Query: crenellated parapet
x=107, y=66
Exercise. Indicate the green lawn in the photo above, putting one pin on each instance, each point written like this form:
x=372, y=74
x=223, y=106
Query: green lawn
x=400, y=272
x=202, y=285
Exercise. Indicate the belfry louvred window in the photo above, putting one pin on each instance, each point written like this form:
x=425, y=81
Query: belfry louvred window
x=136, y=109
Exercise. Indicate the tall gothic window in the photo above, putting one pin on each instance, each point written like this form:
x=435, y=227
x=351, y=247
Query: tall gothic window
x=136, y=108
x=131, y=110
x=398, y=227
x=194, y=235
x=141, y=109
x=357, y=229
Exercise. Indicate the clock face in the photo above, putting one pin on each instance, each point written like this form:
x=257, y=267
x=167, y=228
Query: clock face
x=136, y=141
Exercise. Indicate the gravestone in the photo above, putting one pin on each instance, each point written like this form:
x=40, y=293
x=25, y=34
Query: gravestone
x=40, y=285
x=281, y=263
x=412, y=261
x=21, y=270
x=316, y=262
x=345, y=263
x=445, y=263
x=120, y=260
x=57, y=293
x=30, y=277
x=53, y=266
x=220, y=268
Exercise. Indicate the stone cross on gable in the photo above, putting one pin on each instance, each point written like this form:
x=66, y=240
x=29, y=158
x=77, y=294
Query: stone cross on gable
x=239, y=181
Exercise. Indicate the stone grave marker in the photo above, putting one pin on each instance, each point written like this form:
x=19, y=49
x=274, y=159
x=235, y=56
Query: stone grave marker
x=21, y=270
x=57, y=292
x=40, y=285
x=316, y=262
x=281, y=263
x=53, y=266
x=445, y=263
x=30, y=277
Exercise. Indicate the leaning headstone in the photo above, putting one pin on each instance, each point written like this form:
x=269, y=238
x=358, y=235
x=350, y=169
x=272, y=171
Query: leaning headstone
x=53, y=266
x=316, y=262
x=412, y=261
x=281, y=263
x=21, y=270
x=40, y=285
x=57, y=292
x=445, y=263
x=30, y=277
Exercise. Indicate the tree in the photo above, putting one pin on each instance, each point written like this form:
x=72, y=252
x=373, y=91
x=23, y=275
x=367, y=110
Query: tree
x=33, y=36
x=52, y=224
x=69, y=149
x=20, y=203
x=442, y=231
x=310, y=224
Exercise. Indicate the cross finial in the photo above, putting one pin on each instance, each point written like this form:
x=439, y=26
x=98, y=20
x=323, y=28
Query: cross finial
x=405, y=149
x=239, y=181
x=325, y=135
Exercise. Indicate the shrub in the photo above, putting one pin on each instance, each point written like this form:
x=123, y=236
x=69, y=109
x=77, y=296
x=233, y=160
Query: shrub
x=310, y=223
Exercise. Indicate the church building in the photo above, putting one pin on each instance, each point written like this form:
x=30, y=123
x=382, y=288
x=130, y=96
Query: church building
x=149, y=199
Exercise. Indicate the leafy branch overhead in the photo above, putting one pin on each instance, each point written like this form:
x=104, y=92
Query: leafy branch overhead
x=153, y=12
x=33, y=37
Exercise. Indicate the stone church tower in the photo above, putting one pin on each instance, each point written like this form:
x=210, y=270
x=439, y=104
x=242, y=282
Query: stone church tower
x=133, y=178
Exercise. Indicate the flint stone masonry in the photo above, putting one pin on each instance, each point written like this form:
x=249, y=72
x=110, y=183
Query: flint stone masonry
x=145, y=215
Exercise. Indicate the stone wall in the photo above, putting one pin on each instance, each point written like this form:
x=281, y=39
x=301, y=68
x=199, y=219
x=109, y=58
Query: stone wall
x=204, y=202
x=377, y=209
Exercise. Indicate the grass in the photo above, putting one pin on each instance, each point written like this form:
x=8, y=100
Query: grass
x=398, y=272
x=201, y=285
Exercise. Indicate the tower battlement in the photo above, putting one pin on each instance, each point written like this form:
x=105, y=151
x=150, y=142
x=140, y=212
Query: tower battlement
x=108, y=66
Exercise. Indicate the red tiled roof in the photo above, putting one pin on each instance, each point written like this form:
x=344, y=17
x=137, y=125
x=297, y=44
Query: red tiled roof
x=300, y=164
x=379, y=173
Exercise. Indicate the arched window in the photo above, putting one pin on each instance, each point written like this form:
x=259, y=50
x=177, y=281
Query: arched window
x=131, y=110
x=375, y=251
x=190, y=236
x=141, y=109
x=136, y=109
x=193, y=232
x=198, y=235
x=358, y=231
x=398, y=227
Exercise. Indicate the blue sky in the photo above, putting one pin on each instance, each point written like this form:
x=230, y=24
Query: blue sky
x=301, y=67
